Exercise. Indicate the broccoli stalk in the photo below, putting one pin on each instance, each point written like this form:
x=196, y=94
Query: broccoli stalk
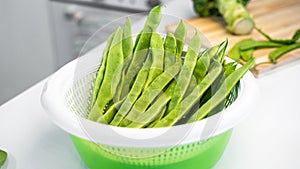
x=238, y=19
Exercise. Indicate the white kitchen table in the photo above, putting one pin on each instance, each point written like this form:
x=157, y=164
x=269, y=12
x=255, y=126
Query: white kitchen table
x=268, y=139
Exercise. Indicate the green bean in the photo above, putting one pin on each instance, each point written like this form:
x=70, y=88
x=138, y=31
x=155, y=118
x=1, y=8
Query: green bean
x=164, y=111
x=191, y=86
x=157, y=52
x=127, y=46
x=234, y=52
x=220, y=95
x=276, y=54
x=228, y=69
x=106, y=92
x=121, y=70
x=154, y=110
x=137, y=40
x=183, y=108
x=100, y=73
x=246, y=54
x=294, y=39
x=133, y=94
x=161, y=115
x=212, y=52
x=200, y=71
x=195, y=78
x=153, y=19
x=137, y=60
x=170, y=50
x=213, y=88
x=151, y=92
x=186, y=72
x=245, y=48
x=203, y=62
x=259, y=45
x=180, y=35
x=110, y=113
x=112, y=109
x=202, y=66
x=141, y=48
x=127, y=43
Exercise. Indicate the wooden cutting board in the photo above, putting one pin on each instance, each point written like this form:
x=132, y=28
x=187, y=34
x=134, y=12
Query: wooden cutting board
x=280, y=19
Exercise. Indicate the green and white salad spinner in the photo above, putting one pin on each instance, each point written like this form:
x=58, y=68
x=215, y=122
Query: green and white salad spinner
x=198, y=145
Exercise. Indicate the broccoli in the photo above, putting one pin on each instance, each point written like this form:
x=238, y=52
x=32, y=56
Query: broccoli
x=238, y=19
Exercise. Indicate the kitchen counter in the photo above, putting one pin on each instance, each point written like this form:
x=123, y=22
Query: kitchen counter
x=268, y=139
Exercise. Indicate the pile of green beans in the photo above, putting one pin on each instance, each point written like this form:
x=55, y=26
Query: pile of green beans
x=244, y=49
x=154, y=83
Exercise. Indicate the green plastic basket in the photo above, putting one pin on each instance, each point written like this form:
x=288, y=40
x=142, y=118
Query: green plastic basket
x=195, y=145
x=198, y=155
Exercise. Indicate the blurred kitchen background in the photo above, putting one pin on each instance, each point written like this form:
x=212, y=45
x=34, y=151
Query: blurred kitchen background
x=39, y=36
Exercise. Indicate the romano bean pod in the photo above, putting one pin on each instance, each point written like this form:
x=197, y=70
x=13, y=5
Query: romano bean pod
x=141, y=48
x=100, y=73
x=294, y=39
x=200, y=70
x=180, y=35
x=134, y=93
x=245, y=49
x=186, y=72
x=276, y=54
x=234, y=52
x=170, y=50
x=259, y=45
x=127, y=44
x=151, y=92
x=157, y=53
x=154, y=111
x=202, y=66
x=106, y=92
x=127, y=48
